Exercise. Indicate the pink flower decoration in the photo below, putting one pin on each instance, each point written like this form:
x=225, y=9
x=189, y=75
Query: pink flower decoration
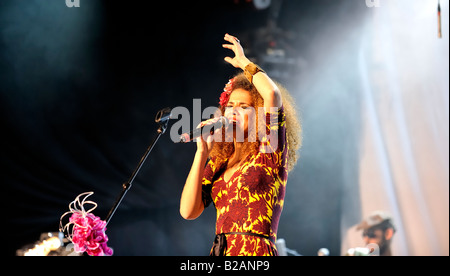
x=88, y=231
x=225, y=96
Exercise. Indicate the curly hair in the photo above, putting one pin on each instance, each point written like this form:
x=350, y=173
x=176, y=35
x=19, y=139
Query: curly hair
x=223, y=150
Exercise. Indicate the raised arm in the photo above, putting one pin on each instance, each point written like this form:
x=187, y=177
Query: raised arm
x=265, y=86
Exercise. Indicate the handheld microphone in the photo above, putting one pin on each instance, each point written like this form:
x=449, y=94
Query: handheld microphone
x=187, y=137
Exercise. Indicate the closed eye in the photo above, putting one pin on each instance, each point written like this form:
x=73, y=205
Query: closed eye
x=241, y=105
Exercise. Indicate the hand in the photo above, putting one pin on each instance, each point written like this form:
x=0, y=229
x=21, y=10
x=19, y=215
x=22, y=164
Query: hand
x=240, y=60
x=205, y=146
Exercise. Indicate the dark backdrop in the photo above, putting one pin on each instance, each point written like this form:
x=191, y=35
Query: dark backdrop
x=80, y=88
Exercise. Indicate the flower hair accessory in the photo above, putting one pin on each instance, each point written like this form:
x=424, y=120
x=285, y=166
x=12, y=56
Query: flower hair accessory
x=85, y=230
x=225, y=96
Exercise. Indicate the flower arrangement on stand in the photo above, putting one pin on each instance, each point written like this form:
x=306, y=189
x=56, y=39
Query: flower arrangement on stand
x=85, y=230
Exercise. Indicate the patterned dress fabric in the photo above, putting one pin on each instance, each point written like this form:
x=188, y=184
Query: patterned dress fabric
x=251, y=201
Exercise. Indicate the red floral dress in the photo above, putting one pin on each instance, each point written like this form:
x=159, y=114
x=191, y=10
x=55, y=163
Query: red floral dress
x=249, y=205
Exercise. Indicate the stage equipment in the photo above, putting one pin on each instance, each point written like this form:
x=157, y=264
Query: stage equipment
x=162, y=118
x=283, y=250
x=49, y=244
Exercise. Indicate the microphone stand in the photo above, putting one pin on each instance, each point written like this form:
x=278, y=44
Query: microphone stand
x=162, y=118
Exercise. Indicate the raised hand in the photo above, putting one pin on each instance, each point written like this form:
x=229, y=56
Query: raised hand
x=239, y=60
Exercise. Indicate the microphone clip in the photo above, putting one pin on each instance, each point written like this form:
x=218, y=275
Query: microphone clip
x=162, y=118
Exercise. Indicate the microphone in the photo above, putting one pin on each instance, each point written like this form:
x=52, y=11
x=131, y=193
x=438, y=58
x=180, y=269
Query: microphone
x=187, y=137
x=163, y=115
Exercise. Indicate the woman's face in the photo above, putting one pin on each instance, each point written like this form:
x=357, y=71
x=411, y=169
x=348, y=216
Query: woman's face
x=238, y=111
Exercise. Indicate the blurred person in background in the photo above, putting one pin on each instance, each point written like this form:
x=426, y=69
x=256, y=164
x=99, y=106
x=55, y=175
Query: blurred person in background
x=378, y=228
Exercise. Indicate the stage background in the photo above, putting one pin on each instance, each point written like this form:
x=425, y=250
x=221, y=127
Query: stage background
x=80, y=88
